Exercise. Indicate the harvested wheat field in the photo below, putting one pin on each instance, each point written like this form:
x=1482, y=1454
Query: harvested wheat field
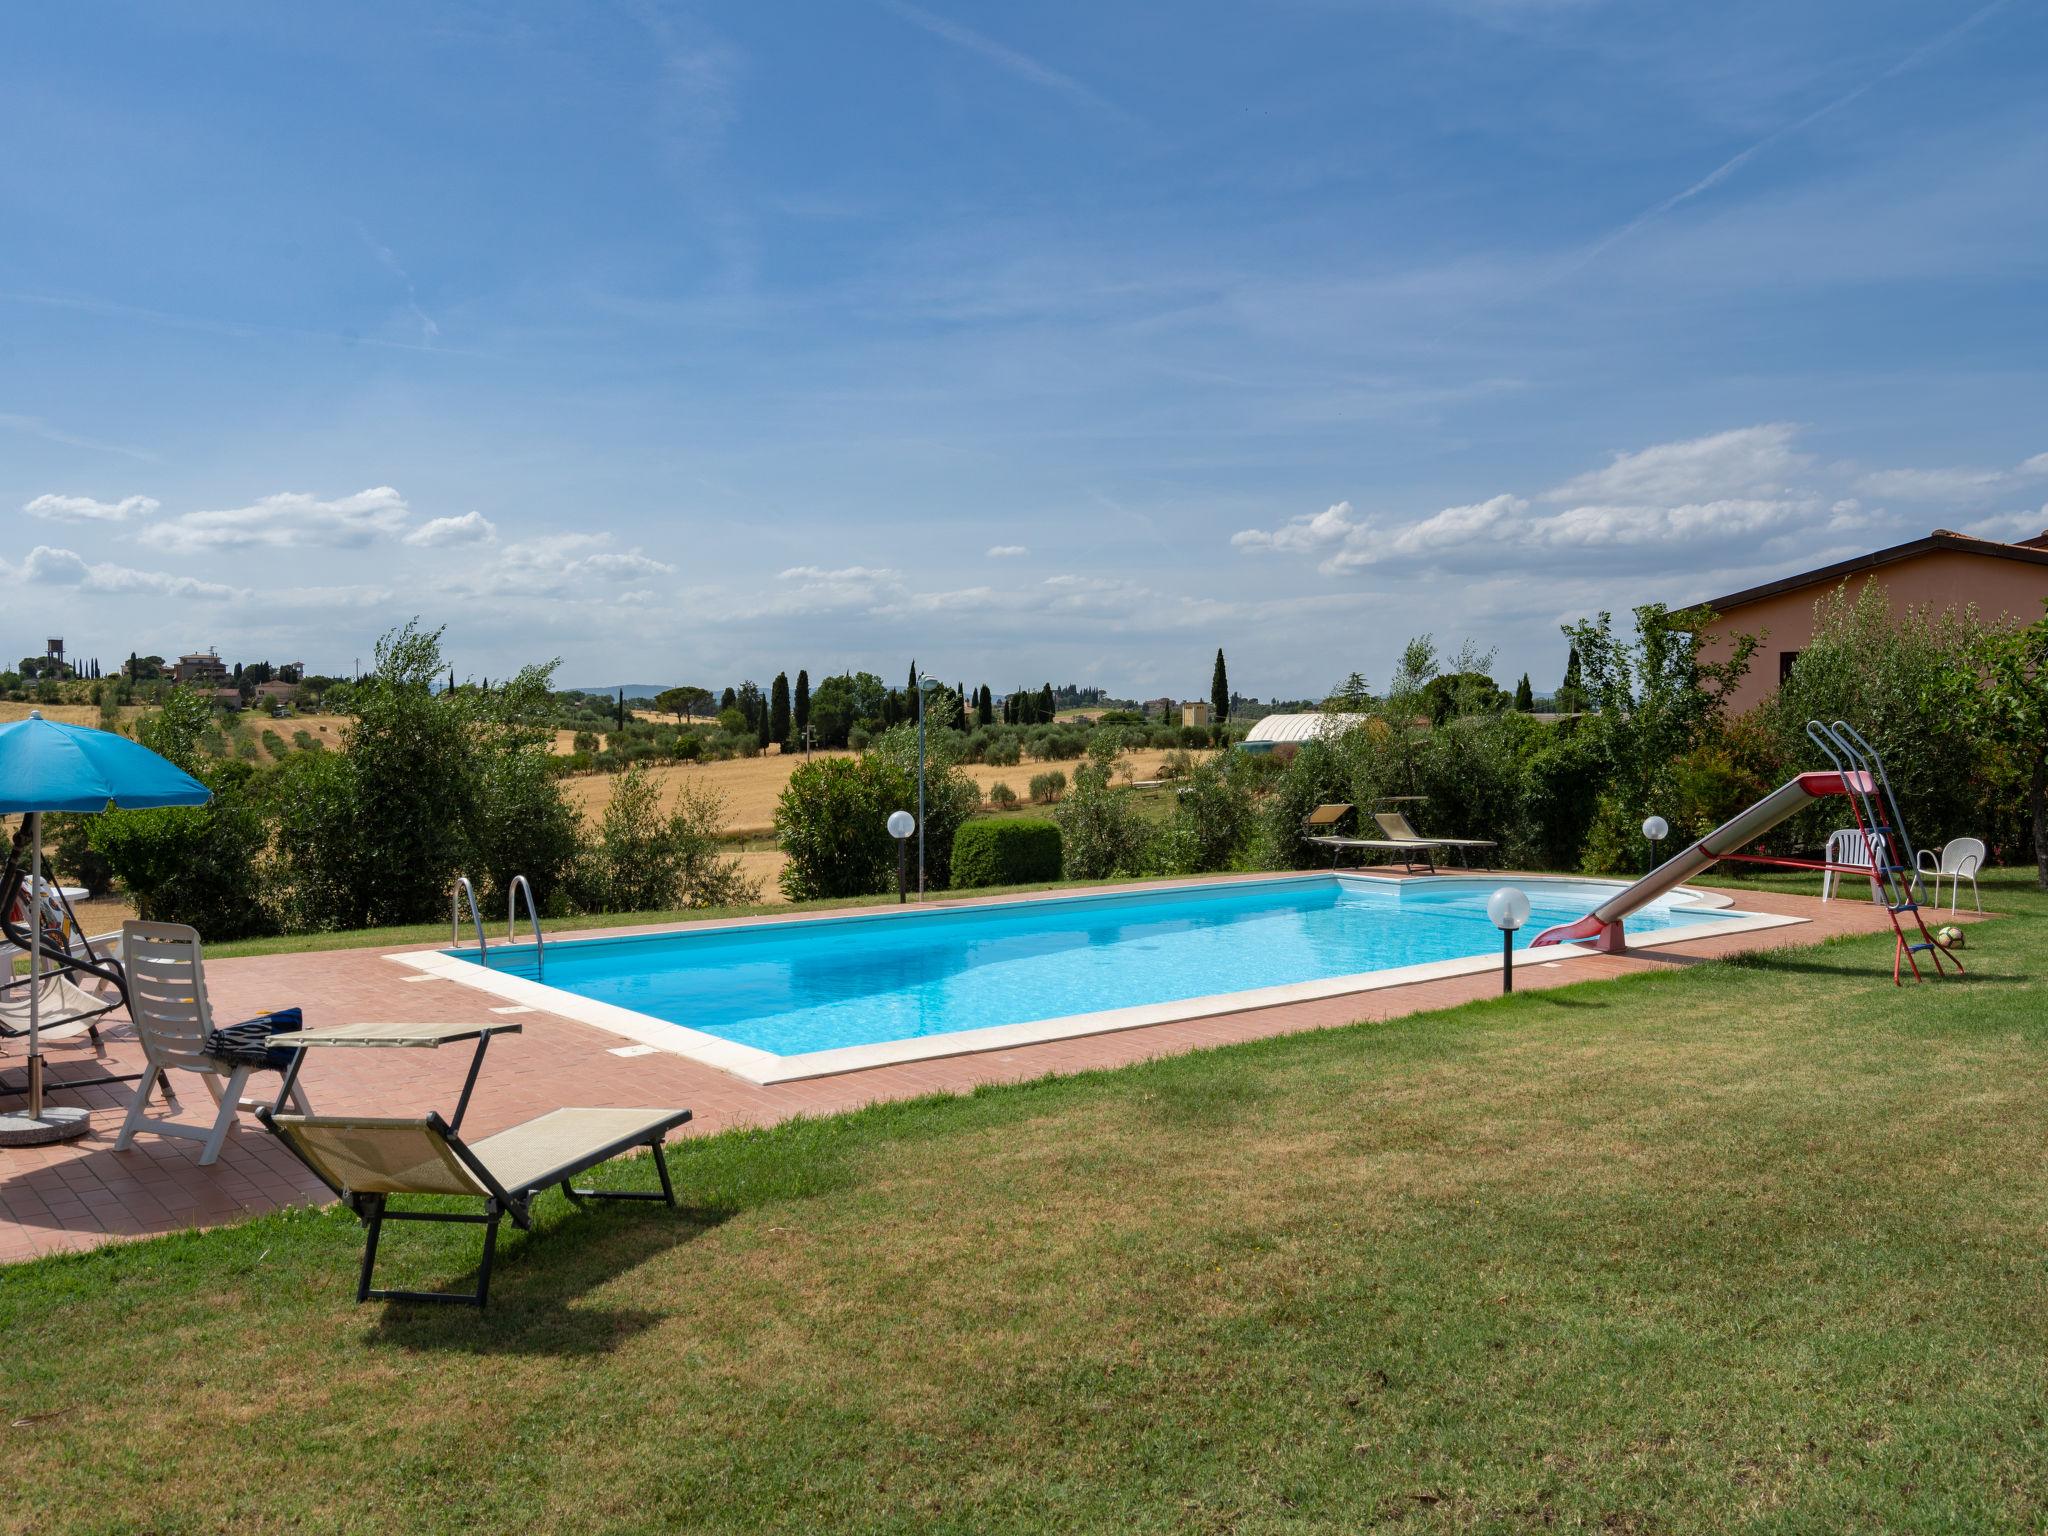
x=70, y=714
x=750, y=786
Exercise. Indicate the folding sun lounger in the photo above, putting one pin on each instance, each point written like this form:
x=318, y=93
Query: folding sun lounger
x=1395, y=824
x=1329, y=816
x=365, y=1161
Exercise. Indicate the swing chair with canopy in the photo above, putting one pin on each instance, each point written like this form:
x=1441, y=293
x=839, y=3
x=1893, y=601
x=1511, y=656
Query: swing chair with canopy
x=83, y=981
x=46, y=765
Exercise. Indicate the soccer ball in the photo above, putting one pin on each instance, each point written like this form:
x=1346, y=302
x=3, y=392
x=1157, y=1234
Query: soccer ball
x=1949, y=936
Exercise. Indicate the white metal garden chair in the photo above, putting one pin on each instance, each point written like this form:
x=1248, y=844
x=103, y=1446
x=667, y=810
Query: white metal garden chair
x=1857, y=848
x=174, y=1022
x=1955, y=862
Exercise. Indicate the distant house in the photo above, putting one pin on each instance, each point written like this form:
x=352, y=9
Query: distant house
x=1943, y=570
x=275, y=693
x=1194, y=714
x=1163, y=708
x=229, y=699
x=200, y=668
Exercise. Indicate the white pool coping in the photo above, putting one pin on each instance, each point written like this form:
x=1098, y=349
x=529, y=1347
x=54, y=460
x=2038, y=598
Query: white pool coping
x=765, y=1067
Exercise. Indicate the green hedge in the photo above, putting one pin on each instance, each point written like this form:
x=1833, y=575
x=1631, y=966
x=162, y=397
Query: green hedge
x=1010, y=850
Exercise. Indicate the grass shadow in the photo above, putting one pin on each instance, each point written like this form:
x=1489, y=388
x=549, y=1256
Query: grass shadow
x=536, y=1281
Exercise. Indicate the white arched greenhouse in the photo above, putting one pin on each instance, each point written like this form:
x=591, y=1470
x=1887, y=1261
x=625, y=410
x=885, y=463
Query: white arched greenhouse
x=1275, y=730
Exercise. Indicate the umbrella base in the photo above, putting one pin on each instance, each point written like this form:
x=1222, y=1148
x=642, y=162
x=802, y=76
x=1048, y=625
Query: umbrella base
x=59, y=1122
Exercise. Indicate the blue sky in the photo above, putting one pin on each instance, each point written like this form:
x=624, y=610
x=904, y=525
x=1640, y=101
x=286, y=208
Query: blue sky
x=1055, y=341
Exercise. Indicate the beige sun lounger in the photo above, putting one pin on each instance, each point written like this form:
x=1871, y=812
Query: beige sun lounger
x=1396, y=825
x=367, y=1160
x=1318, y=829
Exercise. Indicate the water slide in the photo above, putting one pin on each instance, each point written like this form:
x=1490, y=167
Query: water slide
x=1601, y=928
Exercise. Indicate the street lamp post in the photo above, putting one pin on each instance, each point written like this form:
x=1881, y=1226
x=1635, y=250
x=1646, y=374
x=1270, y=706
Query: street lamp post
x=901, y=825
x=1508, y=909
x=924, y=687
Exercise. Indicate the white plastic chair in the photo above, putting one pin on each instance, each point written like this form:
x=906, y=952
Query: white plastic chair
x=1858, y=849
x=174, y=1021
x=1957, y=861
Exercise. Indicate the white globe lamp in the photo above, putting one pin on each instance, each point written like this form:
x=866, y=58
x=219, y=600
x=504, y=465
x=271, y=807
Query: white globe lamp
x=1507, y=909
x=901, y=824
x=1656, y=829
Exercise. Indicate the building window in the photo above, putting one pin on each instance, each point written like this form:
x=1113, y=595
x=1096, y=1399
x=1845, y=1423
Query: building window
x=1785, y=660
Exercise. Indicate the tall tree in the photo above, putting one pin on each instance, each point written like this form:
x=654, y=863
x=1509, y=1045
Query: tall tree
x=985, y=707
x=754, y=705
x=1525, y=696
x=778, y=710
x=1571, y=693
x=1219, y=690
x=729, y=700
x=1046, y=706
x=800, y=715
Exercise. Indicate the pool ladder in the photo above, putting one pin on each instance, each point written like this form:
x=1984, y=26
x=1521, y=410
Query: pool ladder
x=463, y=894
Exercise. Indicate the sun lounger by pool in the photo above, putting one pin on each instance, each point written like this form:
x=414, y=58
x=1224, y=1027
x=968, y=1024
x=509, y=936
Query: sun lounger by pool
x=1318, y=828
x=1395, y=824
x=367, y=1160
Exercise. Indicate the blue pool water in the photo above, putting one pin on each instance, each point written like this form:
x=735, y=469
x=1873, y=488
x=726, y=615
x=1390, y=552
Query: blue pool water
x=793, y=988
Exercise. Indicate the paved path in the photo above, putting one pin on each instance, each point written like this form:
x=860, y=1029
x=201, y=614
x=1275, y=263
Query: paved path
x=80, y=1194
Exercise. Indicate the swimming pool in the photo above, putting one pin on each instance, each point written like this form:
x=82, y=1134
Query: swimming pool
x=781, y=999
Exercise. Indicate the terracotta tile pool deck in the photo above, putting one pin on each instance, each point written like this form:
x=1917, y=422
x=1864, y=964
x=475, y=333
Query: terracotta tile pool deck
x=83, y=1193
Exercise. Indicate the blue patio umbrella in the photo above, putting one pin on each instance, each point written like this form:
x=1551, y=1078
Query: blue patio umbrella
x=46, y=765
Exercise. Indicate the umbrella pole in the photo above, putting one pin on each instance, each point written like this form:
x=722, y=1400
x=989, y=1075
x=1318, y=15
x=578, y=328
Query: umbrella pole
x=35, y=965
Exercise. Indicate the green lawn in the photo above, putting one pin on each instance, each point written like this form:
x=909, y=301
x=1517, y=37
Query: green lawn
x=1750, y=1246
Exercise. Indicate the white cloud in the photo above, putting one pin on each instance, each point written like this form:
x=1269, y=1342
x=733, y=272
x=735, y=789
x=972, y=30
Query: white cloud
x=1006, y=551
x=566, y=566
x=1749, y=461
x=50, y=567
x=84, y=509
x=1671, y=505
x=445, y=532
x=288, y=520
x=2010, y=526
x=1957, y=484
x=816, y=589
x=1304, y=535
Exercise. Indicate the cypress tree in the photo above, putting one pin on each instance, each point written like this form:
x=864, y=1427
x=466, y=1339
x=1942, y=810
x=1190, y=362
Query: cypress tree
x=801, y=715
x=1219, y=690
x=1571, y=695
x=778, y=710
x=985, y=707
x=1525, y=696
x=1047, y=708
x=728, y=700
